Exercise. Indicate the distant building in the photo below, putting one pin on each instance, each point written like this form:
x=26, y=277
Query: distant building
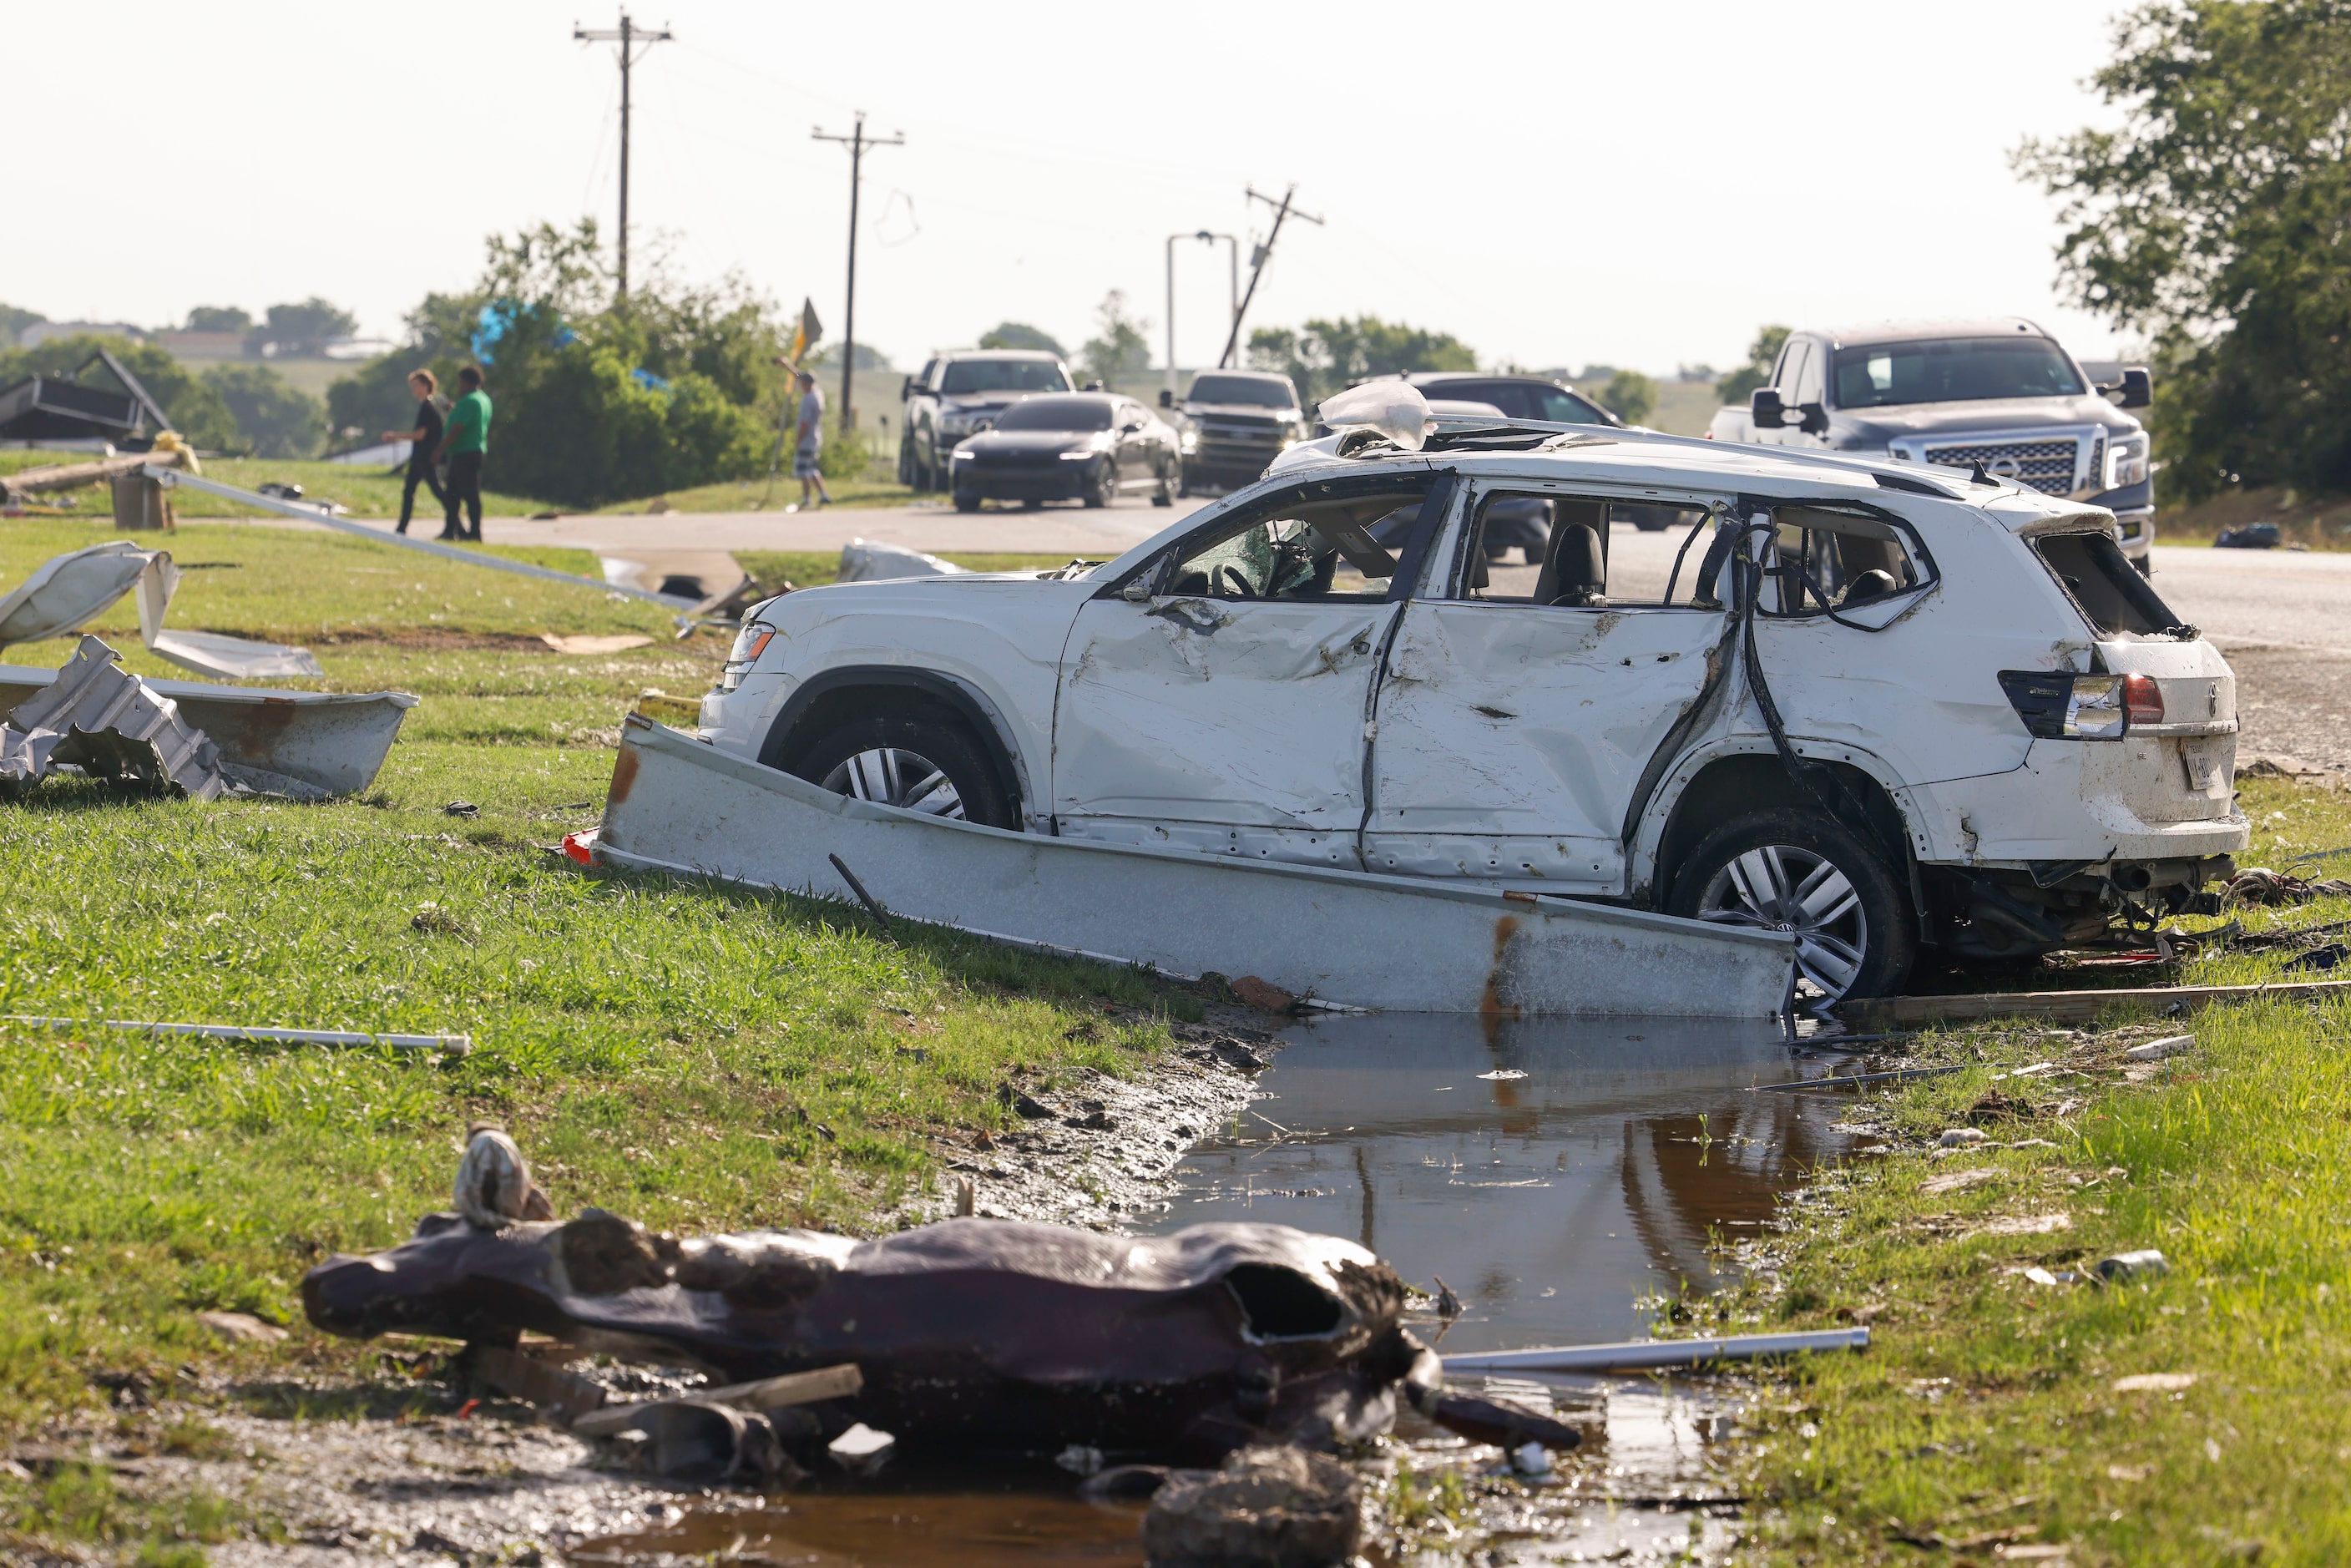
x=201, y=345
x=40, y=332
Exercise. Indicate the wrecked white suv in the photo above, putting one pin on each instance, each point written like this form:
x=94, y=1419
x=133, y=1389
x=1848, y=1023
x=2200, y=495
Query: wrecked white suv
x=1885, y=707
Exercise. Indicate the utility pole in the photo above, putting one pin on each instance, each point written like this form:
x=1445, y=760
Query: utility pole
x=1282, y=209
x=628, y=35
x=857, y=142
x=1232, y=290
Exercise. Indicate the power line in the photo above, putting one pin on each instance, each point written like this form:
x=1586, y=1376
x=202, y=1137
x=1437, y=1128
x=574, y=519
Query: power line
x=628, y=35
x=1282, y=209
x=857, y=142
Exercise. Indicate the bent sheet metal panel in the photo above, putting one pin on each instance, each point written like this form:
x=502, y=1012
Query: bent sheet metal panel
x=335, y=741
x=1341, y=936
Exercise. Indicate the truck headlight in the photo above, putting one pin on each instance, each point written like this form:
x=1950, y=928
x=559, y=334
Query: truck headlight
x=1191, y=440
x=2126, y=462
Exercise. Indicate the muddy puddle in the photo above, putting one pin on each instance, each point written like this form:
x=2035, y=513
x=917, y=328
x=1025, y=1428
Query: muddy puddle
x=1564, y=1178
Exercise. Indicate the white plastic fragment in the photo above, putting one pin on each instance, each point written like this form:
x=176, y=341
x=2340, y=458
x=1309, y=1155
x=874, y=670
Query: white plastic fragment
x=1531, y=1461
x=1962, y=1138
x=2161, y=1049
x=1393, y=408
x=862, y=1450
x=493, y=1188
x=870, y=560
x=2146, y=1263
x=451, y=1045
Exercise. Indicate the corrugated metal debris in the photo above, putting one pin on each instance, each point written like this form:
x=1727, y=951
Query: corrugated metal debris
x=65, y=592
x=97, y=716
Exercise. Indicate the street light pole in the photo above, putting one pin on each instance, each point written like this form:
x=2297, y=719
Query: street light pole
x=1233, y=289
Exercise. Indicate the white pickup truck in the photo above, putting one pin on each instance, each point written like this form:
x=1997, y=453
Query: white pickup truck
x=2000, y=393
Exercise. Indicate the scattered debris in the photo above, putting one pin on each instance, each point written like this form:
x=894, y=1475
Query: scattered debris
x=1500, y=1422
x=560, y=1393
x=1502, y=1075
x=963, y=1332
x=66, y=591
x=678, y=712
x=1642, y=1354
x=241, y=1328
x=2065, y=1007
x=2170, y=1045
x=2145, y=1264
x=450, y=1045
x=687, y=1440
x=2155, y=1383
x=55, y=476
x=1257, y=993
x=870, y=560
x=614, y=642
x=1959, y=1181
x=1267, y=1508
x=881, y=916
x=1960, y=1137
x=461, y=809
x=1846, y=1080
x=1448, y=1305
x=2319, y=959
x=2026, y=1225
x=99, y=718
x=862, y=1450
x=768, y=1393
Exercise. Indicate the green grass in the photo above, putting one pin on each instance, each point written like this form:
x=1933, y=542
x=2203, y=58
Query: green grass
x=368, y=491
x=1985, y=1411
x=689, y=1055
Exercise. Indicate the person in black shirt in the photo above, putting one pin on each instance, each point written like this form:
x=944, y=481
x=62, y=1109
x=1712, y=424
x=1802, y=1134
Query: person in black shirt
x=423, y=441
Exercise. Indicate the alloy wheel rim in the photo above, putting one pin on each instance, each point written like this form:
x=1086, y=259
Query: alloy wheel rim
x=1780, y=887
x=889, y=776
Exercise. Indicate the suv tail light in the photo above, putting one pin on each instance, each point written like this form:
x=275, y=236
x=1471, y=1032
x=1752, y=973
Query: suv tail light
x=2055, y=706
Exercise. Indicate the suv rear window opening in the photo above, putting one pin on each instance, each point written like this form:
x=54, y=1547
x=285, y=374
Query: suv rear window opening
x=2101, y=580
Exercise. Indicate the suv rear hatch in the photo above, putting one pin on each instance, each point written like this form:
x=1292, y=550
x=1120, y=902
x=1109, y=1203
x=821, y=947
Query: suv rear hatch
x=2175, y=760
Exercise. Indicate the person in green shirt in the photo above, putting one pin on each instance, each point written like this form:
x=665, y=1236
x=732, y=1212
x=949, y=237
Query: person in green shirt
x=464, y=440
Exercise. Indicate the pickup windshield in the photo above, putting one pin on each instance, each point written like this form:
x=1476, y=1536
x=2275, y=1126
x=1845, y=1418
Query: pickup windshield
x=1057, y=413
x=1241, y=388
x=967, y=376
x=1953, y=370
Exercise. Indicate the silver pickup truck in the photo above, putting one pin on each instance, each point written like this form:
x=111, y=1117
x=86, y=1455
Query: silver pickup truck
x=2003, y=394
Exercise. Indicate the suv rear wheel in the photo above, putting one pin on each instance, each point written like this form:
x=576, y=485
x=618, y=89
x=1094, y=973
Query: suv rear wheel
x=1802, y=871
x=932, y=765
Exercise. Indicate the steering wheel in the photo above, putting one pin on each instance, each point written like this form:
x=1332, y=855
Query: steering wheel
x=1241, y=589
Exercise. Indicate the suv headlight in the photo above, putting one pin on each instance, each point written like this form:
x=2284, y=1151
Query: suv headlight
x=1191, y=440
x=2126, y=462
x=749, y=643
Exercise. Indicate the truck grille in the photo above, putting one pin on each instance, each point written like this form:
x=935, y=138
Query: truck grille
x=1238, y=442
x=2048, y=466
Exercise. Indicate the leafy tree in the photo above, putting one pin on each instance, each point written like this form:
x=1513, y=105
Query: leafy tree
x=275, y=418
x=1119, y=347
x=1326, y=356
x=1739, y=385
x=303, y=328
x=1020, y=334
x=196, y=410
x=14, y=320
x=218, y=319
x=2213, y=222
x=869, y=358
x=1630, y=396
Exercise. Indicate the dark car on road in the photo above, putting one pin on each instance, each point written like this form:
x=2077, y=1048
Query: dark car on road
x=1234, y=423
x=959, y=394
x=1076, y=447
x=1519, y=397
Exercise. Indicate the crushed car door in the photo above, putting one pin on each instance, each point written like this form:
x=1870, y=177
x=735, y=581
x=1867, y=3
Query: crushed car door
x=1522, y=705
x=1215, y=698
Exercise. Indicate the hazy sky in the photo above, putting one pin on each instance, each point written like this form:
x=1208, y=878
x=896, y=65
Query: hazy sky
x=1555, y=184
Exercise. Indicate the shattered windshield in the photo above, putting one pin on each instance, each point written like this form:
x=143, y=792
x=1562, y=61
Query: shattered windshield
x=1953, y=370
x=1072, y=413
x=1242, y=389
x=967, y=376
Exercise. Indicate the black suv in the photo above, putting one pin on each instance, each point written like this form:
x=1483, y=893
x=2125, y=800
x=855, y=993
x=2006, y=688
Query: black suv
x=1519, y=397
x=959, y=394
x=1234, y=423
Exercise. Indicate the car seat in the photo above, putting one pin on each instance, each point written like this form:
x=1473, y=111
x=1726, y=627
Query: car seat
x=1575, y=567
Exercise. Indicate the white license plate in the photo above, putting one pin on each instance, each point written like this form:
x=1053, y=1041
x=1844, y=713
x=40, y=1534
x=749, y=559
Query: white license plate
x=2202, y=758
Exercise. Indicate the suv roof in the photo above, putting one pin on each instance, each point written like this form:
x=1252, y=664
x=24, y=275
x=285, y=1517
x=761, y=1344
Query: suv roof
x=1251, y=375
x=1913, y=331
x=1000, y=354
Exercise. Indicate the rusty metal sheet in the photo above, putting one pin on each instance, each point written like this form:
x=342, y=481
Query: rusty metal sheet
x=1348, y=938
x=334, y=741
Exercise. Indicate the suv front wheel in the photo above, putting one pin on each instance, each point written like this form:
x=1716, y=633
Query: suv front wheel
x=935, y=766
x=1806, y=873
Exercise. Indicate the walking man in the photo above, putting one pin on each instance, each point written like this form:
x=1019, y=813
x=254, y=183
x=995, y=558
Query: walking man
x=466, y=441
x=423, y=441
x=811, y=442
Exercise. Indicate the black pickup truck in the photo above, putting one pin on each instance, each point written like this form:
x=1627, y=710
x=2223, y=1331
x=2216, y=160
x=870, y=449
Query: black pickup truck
x=959, y=394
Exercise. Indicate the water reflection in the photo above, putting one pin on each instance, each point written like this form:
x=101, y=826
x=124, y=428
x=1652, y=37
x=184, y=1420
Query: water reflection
x=1552, y=1172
